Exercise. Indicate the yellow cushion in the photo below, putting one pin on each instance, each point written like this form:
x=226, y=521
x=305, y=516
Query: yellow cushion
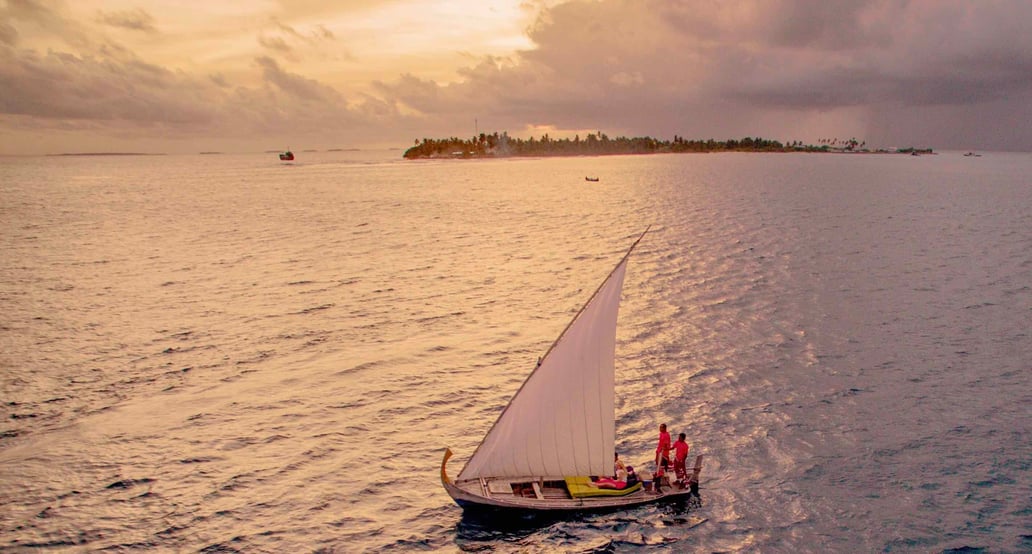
x=580, y=487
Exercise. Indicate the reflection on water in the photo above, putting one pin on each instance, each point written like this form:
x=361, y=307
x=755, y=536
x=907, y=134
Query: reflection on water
x=479, y=529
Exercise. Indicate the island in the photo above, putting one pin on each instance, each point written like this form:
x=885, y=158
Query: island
x=108, y=154
x=497, y=145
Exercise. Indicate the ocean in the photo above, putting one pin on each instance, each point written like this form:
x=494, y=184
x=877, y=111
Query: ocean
x=227, y=353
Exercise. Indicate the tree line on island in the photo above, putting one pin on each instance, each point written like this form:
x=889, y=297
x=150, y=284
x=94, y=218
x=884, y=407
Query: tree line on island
x=502, y=145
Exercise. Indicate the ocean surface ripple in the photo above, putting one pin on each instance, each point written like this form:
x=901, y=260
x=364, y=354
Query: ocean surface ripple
x=231, y=354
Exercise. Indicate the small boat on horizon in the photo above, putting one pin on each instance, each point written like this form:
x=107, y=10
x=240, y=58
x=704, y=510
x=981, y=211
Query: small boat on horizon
x=556, y=437
x=286, y=156
x=591, y=179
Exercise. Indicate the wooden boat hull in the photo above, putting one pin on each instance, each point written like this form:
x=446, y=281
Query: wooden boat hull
x=470, y=501
x=481, y=495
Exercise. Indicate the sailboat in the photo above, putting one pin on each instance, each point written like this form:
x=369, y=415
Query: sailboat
x=557, y=434
x=286, y=156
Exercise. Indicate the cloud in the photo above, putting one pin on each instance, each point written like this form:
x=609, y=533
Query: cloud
x=136, y=20
x=658, y=67
x=40, y=19
x=62, y=92
x=826, y=25
x=626, y=79
x=917, y=53
x=29, y=10
x=85, y=80
x=287, y=41
x=59, y=86
x=321, y=32
x=219, y=79
x=8, y=34
x=275, y=43
x=295, y=85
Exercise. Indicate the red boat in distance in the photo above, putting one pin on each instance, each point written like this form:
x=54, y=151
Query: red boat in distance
x=286, y=156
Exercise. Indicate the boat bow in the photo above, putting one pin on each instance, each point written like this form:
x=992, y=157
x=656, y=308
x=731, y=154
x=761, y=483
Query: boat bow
x=444, y=462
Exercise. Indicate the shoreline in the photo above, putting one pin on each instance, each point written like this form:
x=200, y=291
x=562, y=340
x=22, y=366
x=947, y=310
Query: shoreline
x=501, y=145
x=490, y=156
x=109, y=154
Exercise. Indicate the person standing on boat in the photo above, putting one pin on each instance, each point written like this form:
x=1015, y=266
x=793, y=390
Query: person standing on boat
x=663, y=448
x=680, y=457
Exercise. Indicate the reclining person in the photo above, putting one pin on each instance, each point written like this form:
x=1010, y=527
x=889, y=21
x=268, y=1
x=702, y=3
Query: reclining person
x=619, y=483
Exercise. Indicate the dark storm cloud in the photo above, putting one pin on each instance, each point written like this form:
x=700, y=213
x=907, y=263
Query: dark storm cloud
x=659, y=65
x=136, y=20
x=594, y=64
x=892, y=52
x=795, y=53
x=821, y=24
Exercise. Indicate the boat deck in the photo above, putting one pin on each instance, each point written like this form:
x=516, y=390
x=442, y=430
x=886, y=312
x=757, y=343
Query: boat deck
x=537, y=493
x=532, y=495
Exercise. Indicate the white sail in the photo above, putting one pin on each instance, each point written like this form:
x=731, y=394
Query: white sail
x=562, y=420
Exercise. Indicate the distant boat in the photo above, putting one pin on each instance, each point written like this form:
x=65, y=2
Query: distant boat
x=973, y=155
x=559, y=429
x=286, y=156
x=591, y=179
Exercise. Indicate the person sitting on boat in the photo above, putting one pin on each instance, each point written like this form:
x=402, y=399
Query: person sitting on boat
x=619, y=483
x=617, y=464
x=680, y=457
x=663, y=448
x=632, y=477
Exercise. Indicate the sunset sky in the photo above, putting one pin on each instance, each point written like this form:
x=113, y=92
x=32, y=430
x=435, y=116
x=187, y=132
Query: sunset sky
x=251, y=75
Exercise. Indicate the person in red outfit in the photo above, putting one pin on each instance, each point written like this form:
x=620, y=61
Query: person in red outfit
x=680, y=457
x=663, y=448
